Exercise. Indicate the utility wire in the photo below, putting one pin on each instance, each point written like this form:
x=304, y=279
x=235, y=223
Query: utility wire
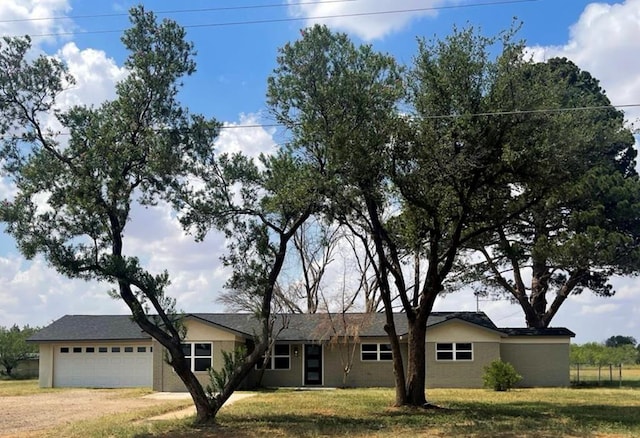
x=447, y=116
x=179, y=11
x=291, y=19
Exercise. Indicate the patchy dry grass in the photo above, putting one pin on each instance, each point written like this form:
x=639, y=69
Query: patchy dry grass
x=478, y=413
x=10, y=388
x=594, y=412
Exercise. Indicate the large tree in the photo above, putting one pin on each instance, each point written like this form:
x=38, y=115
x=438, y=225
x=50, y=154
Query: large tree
x=419, y=180
x=14, y=347
x=586, y=227
x=74, y=198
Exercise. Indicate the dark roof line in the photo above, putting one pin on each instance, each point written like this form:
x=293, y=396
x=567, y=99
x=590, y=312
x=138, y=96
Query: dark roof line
x=291, y=327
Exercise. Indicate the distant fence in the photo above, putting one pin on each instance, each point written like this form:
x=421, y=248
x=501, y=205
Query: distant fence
x=610, y=374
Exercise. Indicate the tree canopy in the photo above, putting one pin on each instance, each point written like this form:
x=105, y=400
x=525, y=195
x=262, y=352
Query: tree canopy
x=585, y=225
x=74, y=198
x=14, y=347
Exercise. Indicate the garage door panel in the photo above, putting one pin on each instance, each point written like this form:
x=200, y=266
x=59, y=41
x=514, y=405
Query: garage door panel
x=111, y=369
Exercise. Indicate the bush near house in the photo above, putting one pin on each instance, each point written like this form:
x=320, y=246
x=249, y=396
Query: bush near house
x=501, y=376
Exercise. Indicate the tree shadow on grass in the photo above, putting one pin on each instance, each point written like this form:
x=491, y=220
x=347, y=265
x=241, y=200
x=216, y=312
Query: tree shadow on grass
x=480, y=420
x=541, y=419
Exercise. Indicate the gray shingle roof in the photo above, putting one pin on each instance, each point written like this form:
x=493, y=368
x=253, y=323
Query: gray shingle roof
x=90, y=328
x=291, y=327
x=530, y=331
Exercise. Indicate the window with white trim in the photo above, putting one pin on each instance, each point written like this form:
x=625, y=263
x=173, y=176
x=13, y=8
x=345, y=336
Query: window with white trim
x=280, y=358
x=375, y=352
x=199, y=355
x=454, y=351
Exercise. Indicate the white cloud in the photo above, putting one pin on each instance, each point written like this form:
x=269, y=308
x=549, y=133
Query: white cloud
x=34, y=17
x=246, y=136
x=96, y=76
x=352, y=16
x=604, y=42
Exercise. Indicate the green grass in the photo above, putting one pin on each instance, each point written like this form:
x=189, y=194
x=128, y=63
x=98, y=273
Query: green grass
x=594, y=412
x=478, y=413
x=9, y=388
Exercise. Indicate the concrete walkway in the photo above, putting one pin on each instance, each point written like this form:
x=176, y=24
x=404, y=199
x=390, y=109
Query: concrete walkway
x=191, y=410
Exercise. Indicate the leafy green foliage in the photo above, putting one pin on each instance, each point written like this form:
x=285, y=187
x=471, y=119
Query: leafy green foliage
x=583, y=227
x=500, y=376
x=219, y=379
x=14, y=346
x=619, y=341
x=74, y=194
x=594, y=353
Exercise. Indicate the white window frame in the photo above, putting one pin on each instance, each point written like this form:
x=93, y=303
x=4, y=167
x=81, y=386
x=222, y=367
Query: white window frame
x=379, y=352
x=271, y=362
x=191, y=357
x=455, y=351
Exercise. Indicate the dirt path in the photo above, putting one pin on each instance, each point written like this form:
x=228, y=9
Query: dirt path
x=191, y=410
x=20, y=415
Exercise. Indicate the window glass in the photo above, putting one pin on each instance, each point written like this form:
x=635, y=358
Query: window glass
x=77, y=349
x=198, y=356
x=279, y=359
x=376, y=352
x=203, y=349
x=385, y=352
x=454, y=351
x=115, y=349
x=102, y=349
x=128, y=349
x=64, y=349
x=281, y=349
x=281, y=363
x=202, y=364
x=142, y=349
x=90, y=350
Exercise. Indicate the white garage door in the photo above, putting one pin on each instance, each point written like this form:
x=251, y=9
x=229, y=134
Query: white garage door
x=103, y=366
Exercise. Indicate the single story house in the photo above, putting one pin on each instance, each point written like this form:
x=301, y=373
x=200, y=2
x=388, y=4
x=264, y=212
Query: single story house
x=112, y=351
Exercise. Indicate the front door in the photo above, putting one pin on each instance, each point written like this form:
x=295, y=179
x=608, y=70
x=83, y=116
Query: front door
x=312, y=364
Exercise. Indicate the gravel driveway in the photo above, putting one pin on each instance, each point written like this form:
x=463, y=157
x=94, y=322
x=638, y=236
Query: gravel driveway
x=20, y=415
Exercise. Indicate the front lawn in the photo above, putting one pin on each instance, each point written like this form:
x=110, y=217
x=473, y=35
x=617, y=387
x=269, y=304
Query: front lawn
x=594, y=412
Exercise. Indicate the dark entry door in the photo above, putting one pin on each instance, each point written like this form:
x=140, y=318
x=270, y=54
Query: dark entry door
x=312, y=364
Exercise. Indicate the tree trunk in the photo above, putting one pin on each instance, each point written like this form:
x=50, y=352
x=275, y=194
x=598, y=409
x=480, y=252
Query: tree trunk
x=416, y=366
x=398, y=366
x=205, y=412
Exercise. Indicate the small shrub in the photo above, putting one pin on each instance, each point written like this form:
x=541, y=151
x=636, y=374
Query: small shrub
x=501, y=376
x=219, y=379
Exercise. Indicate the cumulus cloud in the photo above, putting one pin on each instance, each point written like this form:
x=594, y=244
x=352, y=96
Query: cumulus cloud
x=96, y=76
x=35, y=17
x=33, y=293
x=246, y=136
x=366, y=19
x=604, y=42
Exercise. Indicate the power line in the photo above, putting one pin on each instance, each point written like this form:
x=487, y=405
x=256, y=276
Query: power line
x=448, y=116
x=178, y=11
x=291, y=19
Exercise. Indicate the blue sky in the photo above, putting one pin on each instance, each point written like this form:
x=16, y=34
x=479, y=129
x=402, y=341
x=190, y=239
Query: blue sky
x=234, y=61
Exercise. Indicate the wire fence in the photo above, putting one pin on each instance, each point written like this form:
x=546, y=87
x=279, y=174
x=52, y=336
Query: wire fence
x=605, y=375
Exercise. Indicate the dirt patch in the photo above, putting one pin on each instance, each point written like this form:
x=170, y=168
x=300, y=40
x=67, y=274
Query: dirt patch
x=191, y=410
x=20, y=415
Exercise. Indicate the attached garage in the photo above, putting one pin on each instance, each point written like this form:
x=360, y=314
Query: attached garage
x=103, y=366
x=104, y=351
